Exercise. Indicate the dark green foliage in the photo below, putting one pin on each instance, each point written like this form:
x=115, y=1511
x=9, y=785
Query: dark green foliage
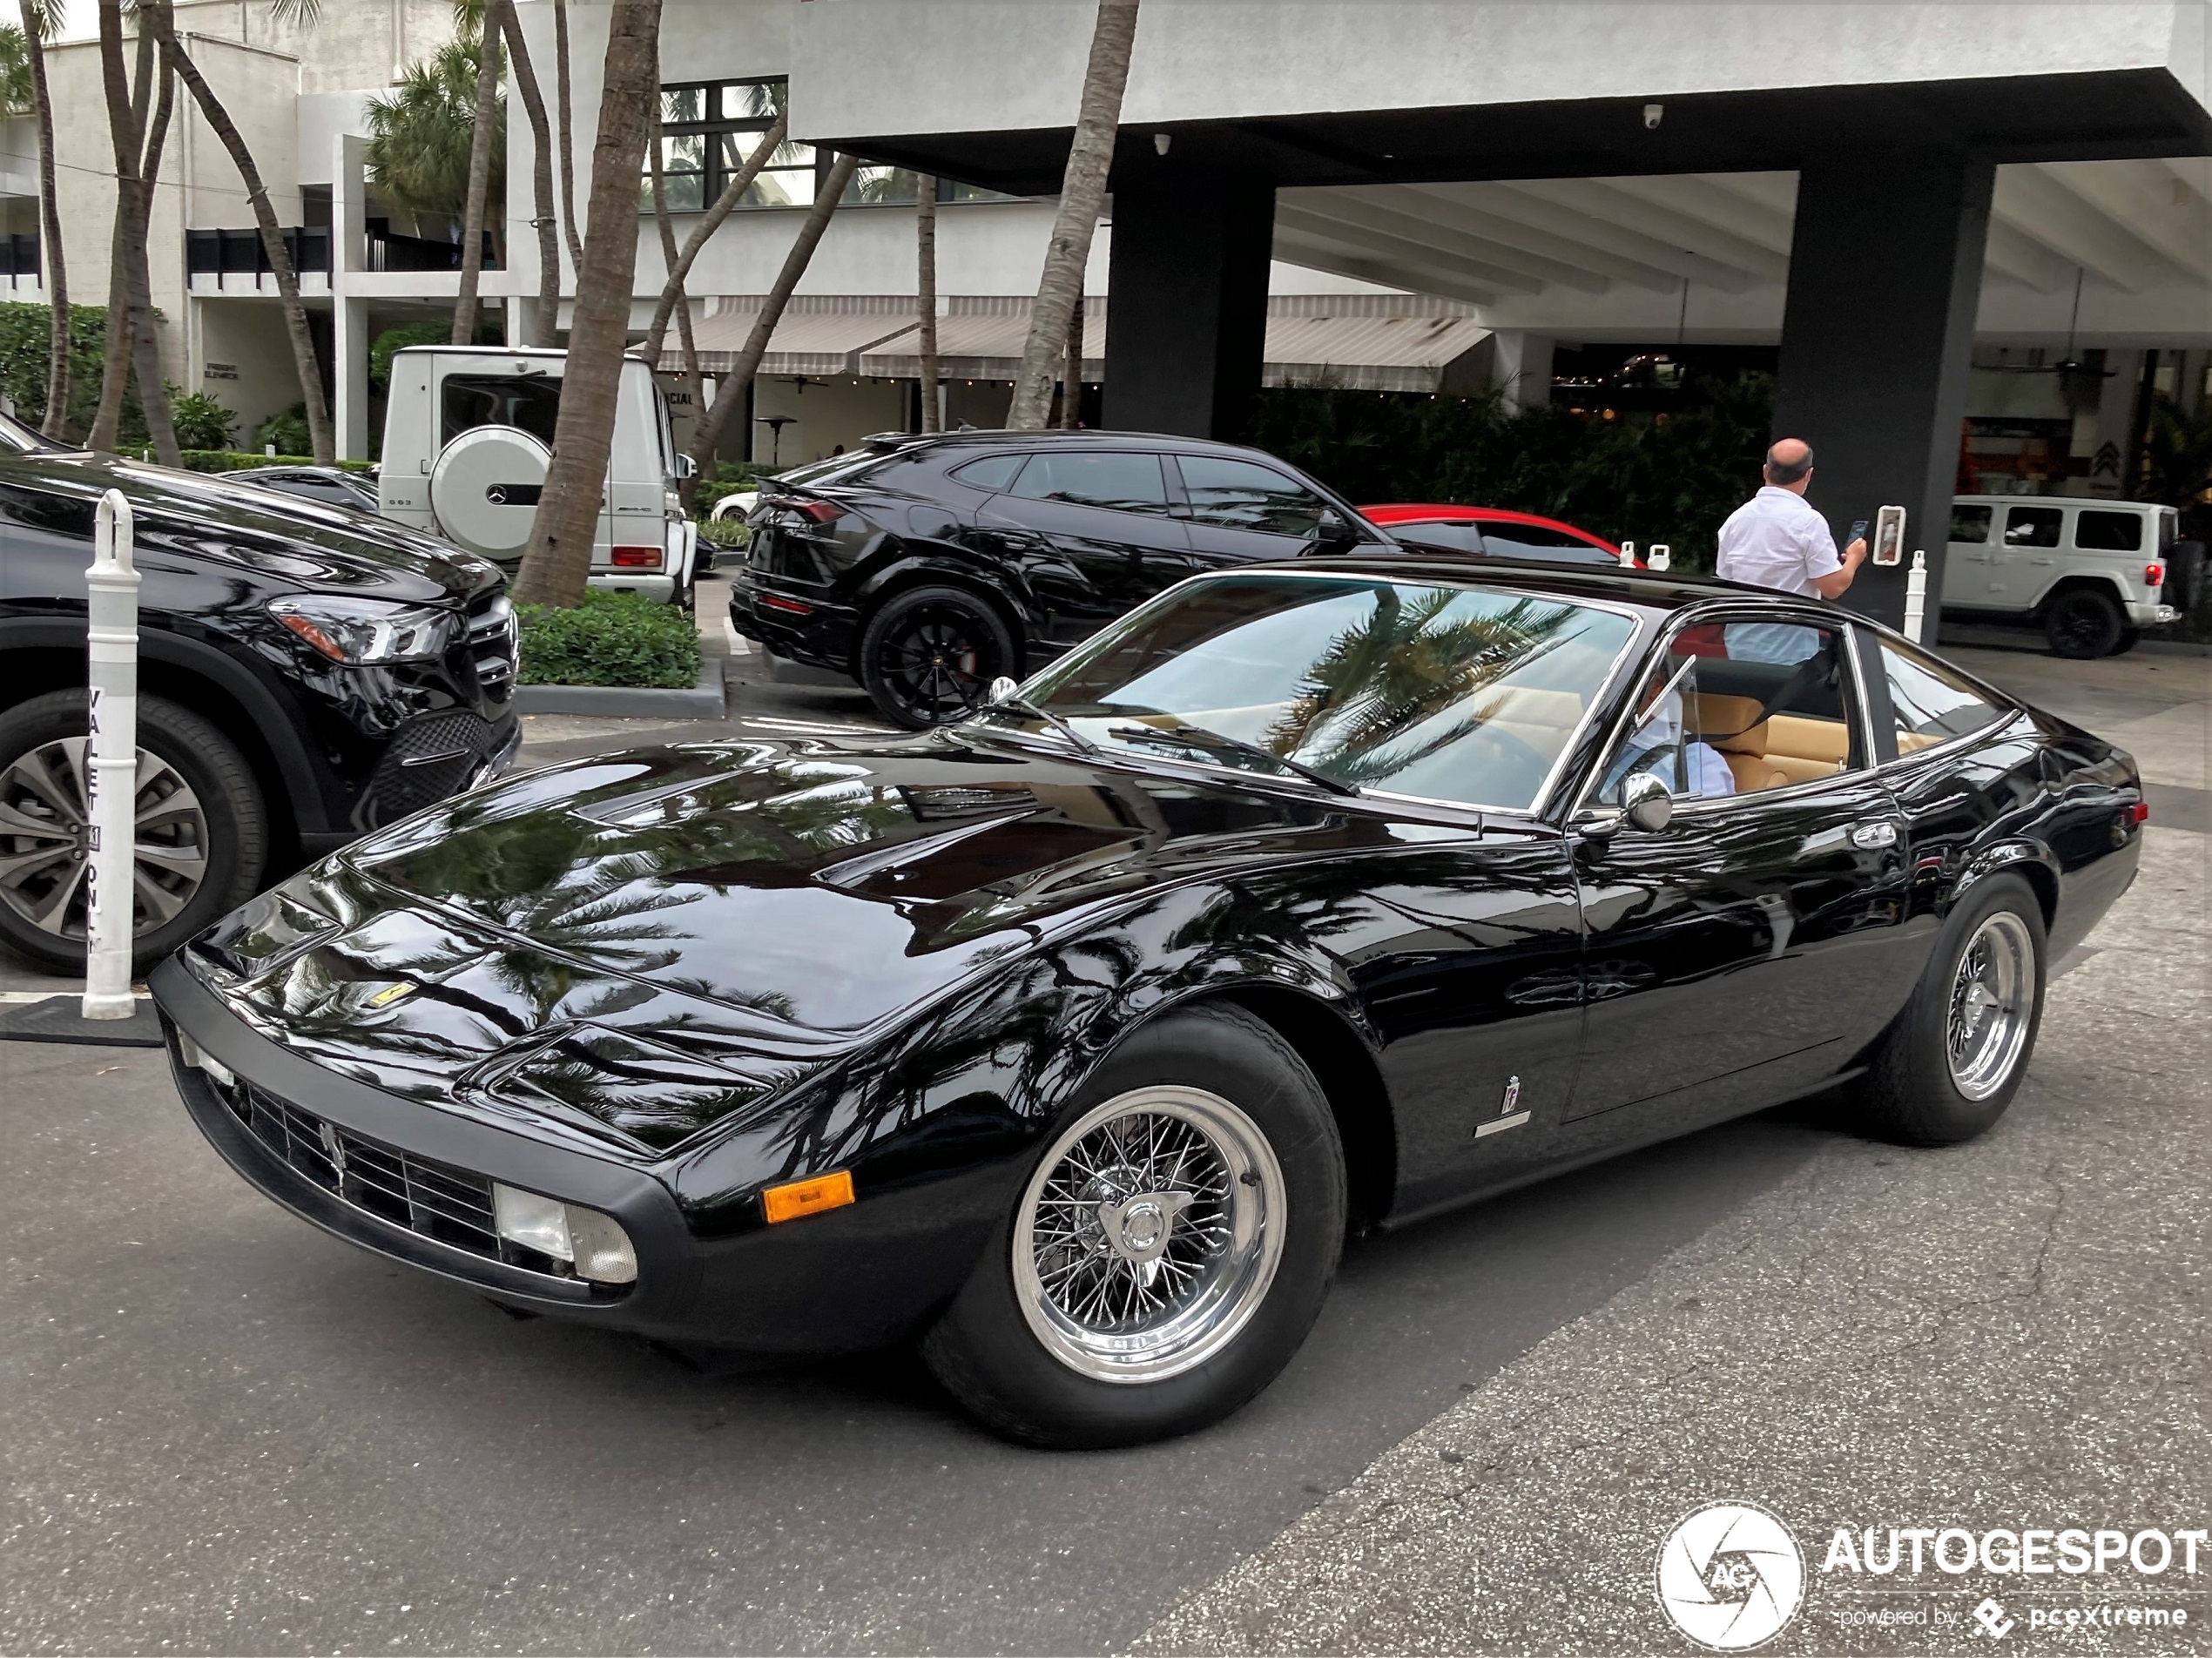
x=288, y=431
x=238, y=461
x=26, y=331
x=202, y=422
x=392, y=340
x=421, y=133
x=1670, y=478
x=610, y=639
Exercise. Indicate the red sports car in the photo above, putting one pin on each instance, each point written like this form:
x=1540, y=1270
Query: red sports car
x=1493, y=532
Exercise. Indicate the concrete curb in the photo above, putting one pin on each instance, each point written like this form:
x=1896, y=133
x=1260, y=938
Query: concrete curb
x=704, y=701
x=1981, y=637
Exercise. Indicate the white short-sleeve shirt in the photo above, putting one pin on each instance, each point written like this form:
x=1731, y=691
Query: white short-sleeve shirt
x=1776, y=539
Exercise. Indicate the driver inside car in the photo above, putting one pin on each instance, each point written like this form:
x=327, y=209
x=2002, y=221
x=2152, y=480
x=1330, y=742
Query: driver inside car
x=1690, y=768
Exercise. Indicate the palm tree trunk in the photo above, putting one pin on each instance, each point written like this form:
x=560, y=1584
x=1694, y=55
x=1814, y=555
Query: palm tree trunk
x=146, y=343
x=545, y=222
x=925, y=283
x=694, y=383
x=731, y=389
x=472, y=219
x=49, y=226
x=741, y=181
x=1083, y=195
x=1071, y=380
x=304, y=363
x=566, y=154
x=557, y=563
x=126, y=115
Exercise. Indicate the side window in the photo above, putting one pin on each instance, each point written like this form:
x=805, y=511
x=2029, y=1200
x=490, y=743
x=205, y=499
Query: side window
x=1929, y=704
x=531, y=402
x=1239, y=495
x=58, y=514
x=992, y=472
x=1970, y=524
x=1712, y=725
x=1116, y=481
x=2108, y=532
x=1451, y=538
x=2034, y=526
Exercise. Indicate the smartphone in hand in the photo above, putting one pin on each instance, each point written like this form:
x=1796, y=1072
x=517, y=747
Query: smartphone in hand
x=1858, y=531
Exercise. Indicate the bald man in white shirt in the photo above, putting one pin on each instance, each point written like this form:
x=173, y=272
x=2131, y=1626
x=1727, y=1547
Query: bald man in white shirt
x=1776, y=539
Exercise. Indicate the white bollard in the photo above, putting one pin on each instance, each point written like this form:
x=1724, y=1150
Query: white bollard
x=111, y=765
x=1659, y=557
x=1628, y=554
x=1915, y=597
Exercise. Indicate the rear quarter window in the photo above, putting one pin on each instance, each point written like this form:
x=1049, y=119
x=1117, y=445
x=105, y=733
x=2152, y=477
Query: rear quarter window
x=2097, y=531
x=992, y=472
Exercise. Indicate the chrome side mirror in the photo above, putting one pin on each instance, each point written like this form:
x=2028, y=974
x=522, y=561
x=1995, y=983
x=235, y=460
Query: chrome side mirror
x=1646, y=803
x=1001, y=689
x=686, y=467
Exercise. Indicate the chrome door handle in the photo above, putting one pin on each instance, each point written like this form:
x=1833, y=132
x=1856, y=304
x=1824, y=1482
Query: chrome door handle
x=1869, y=836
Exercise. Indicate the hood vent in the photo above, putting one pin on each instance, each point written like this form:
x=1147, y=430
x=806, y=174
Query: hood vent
x=950, y=803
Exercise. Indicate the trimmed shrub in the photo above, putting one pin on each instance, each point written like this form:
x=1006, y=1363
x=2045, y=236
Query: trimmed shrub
x=202, y=422
x=610, y=639
x=239, y=460
x=725, y=532
x=288, y=431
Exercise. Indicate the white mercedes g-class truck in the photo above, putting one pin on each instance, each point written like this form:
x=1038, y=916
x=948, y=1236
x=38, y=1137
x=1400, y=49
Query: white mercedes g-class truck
x=468, y=436
x=2092, y=574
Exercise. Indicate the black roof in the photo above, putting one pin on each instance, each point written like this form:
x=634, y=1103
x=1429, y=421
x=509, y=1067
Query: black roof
x=888, y=442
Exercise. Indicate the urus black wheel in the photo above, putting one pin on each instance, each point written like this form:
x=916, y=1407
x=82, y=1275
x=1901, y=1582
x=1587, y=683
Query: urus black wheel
x=201, y=828
x=2082, y=623
x=928, y=656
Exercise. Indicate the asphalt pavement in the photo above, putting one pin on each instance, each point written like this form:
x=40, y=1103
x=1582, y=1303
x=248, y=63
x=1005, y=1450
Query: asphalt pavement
x=226, y=1432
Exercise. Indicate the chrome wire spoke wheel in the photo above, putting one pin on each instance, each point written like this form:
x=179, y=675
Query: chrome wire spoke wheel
x=1149, y=1235
x=45, y=840
x=1993, y=997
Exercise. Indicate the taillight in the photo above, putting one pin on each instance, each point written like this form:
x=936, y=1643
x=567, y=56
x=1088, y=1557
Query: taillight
x=792, y=607
x=636, y=557
x=2153, y=576
x=2140, y=812
x=819, y=512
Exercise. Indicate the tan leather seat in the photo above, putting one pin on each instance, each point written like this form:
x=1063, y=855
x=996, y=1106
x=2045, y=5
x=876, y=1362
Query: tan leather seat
x=1807, y=749
x=1732, y=726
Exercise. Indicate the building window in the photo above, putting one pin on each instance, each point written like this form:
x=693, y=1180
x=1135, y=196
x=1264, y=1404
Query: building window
x=708, y=128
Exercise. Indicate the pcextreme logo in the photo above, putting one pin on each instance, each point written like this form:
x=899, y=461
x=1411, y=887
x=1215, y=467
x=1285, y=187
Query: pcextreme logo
x=1730, y=1577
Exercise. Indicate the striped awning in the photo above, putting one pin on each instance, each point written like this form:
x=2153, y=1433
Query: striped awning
x=1367, y=342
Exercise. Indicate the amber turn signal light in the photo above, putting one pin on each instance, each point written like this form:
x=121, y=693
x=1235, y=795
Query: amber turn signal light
x=807, y=1197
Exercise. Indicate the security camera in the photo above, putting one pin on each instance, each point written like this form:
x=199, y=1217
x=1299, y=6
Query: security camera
x=1653, y=114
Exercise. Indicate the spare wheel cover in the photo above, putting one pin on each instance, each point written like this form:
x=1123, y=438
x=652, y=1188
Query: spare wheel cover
x=484, y=488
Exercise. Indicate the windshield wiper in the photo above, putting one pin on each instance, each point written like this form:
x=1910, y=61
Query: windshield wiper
x=1022, y=705
x=1202, y=738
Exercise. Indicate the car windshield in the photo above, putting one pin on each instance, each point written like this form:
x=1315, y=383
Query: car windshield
x=1447, y=691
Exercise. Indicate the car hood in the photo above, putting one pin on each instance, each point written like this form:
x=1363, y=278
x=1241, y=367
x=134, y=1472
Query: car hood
x=713, y=922
x=210, y=515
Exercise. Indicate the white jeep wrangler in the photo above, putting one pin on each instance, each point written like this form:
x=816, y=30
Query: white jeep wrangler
x=2093, y=573
x=467, y=437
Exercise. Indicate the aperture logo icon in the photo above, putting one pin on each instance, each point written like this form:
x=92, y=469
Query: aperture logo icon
x=1730, y=1577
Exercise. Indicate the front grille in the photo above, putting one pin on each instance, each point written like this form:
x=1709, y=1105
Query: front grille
x=491, y=643
x=428, y=759
x=432, y=1199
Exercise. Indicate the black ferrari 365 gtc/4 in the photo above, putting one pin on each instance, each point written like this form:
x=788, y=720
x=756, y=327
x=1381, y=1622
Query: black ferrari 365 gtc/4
x=1073, y=1039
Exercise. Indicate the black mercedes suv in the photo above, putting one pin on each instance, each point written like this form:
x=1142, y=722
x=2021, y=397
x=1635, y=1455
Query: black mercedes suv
x=305, y=674
x=926, y=567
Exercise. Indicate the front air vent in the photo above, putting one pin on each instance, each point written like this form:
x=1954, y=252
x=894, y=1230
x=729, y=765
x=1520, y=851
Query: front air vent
x=950, y=803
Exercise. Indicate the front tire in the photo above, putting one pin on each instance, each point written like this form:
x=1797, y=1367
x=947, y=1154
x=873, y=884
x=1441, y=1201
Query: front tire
x=928, y=655
x=202, y=828
x=2083, y=623
x=1949, y=1065
x=1169, y=1252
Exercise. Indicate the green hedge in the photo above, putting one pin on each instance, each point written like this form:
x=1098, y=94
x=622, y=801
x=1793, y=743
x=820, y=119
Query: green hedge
x=725, y=532
x=610, y=639
x=238, y=461
x=1671, y=478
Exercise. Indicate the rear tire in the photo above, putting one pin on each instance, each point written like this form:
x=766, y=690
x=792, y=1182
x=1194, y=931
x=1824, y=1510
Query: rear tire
x=2082, y=623
x=203, y=828
x=1949, y=1065
x=1058, y=1339
x=929, y=655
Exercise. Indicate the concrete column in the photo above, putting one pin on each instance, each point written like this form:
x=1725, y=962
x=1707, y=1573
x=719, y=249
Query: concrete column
x=1523, y=367
x=349, y=315
x=1877, y=338
x=1187, y=317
